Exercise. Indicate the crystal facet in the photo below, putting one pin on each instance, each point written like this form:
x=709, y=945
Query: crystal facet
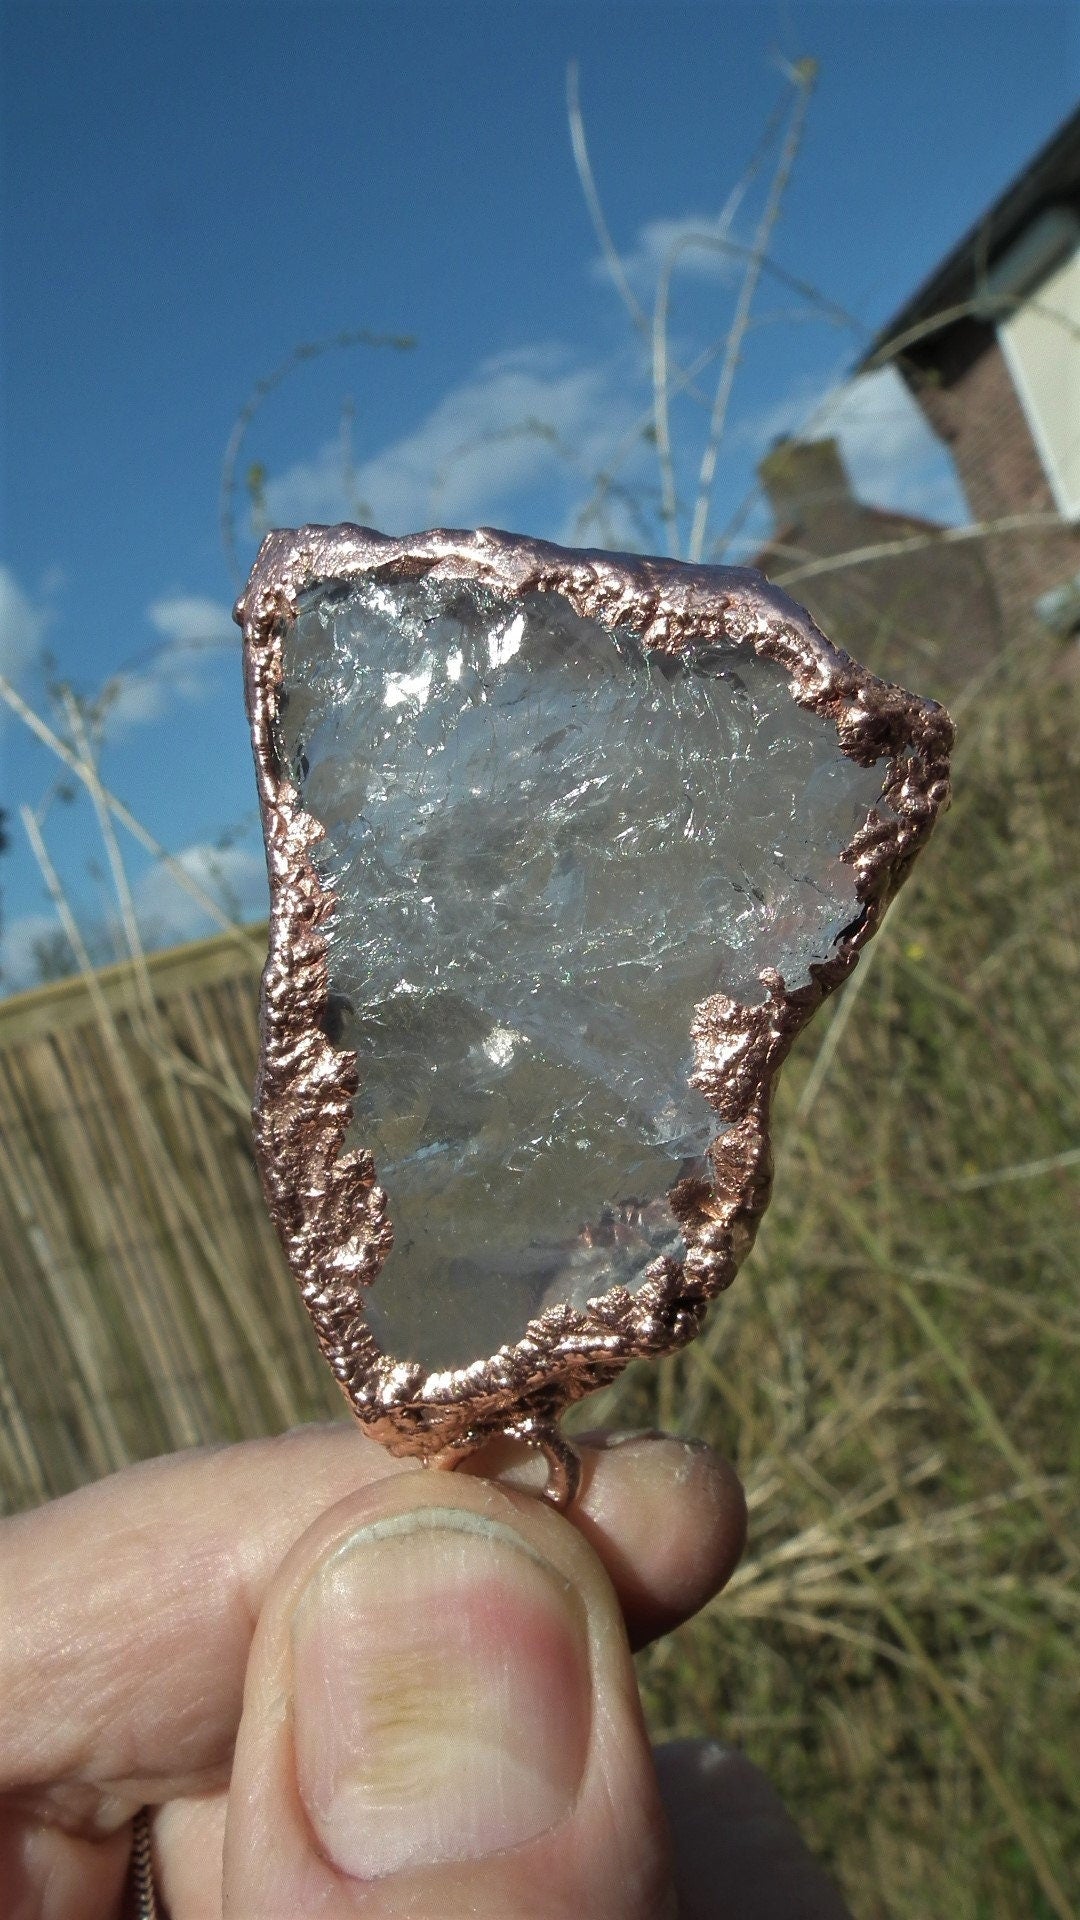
x=547, y=844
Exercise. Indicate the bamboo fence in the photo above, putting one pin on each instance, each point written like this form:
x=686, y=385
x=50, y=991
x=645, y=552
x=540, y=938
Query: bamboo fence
x=144, y=1301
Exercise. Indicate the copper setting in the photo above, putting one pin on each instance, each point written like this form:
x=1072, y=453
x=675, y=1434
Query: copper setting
x=327, y=1204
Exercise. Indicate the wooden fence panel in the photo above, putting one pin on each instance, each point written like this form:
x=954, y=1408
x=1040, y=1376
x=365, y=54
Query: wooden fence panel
x=144, y=1301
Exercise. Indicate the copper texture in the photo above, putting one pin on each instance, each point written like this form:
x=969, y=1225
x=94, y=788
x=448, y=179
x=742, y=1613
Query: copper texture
x=330, y=1212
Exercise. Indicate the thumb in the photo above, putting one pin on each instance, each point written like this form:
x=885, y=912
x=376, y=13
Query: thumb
x=441, y=1719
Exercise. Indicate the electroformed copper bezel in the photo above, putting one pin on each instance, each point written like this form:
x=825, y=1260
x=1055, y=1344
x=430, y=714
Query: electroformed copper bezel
x=329, y=1209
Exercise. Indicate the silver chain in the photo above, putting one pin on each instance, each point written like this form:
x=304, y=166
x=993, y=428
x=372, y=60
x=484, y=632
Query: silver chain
x=144, y=1902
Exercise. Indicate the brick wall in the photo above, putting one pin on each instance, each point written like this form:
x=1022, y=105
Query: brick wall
x=963, y=385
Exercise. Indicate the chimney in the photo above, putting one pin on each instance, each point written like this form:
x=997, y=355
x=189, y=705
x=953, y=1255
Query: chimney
x=801, y=477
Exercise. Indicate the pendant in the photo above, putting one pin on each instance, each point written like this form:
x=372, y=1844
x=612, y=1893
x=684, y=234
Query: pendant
x=564, y=850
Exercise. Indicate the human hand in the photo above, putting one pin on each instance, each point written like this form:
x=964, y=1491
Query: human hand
x=348, y=1687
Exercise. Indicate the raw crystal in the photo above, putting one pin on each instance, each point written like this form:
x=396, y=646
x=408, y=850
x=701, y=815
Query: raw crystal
x=547, y=844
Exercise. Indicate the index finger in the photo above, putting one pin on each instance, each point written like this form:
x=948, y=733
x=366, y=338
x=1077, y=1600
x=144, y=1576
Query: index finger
x=127, y=1609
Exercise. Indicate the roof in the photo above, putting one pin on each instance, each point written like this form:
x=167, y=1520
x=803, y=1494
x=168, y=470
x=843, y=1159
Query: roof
x=1051, y=177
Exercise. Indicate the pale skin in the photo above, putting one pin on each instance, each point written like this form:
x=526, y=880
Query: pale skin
x=350, y=1687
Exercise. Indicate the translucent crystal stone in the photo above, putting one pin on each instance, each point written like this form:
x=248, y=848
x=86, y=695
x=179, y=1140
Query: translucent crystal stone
x=547, y=845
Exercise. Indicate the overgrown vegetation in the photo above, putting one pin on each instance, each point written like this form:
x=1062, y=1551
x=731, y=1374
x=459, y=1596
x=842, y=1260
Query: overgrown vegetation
x=894, y=1373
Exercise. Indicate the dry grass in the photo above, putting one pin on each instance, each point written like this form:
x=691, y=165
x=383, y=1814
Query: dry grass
x=895, y=1373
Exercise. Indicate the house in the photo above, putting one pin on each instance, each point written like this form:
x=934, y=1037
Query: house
x=927, y=614
x=989, y=346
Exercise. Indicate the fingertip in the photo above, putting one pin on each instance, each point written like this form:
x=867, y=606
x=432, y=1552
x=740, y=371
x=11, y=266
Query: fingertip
x=667, y=1516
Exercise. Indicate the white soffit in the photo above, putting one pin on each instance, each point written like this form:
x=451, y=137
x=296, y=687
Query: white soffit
x=1040, y=339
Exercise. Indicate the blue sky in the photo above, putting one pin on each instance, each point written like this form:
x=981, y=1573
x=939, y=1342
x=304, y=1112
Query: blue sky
x=189, y=191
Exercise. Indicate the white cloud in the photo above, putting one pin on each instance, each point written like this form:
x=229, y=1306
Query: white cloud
x=135, y=698
x=234, y=876
x=525, y=420
x=658, y=242
x=191, y=619
x=190, y=624
x=18, y=941
x=22, y=625
x=892, y=457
